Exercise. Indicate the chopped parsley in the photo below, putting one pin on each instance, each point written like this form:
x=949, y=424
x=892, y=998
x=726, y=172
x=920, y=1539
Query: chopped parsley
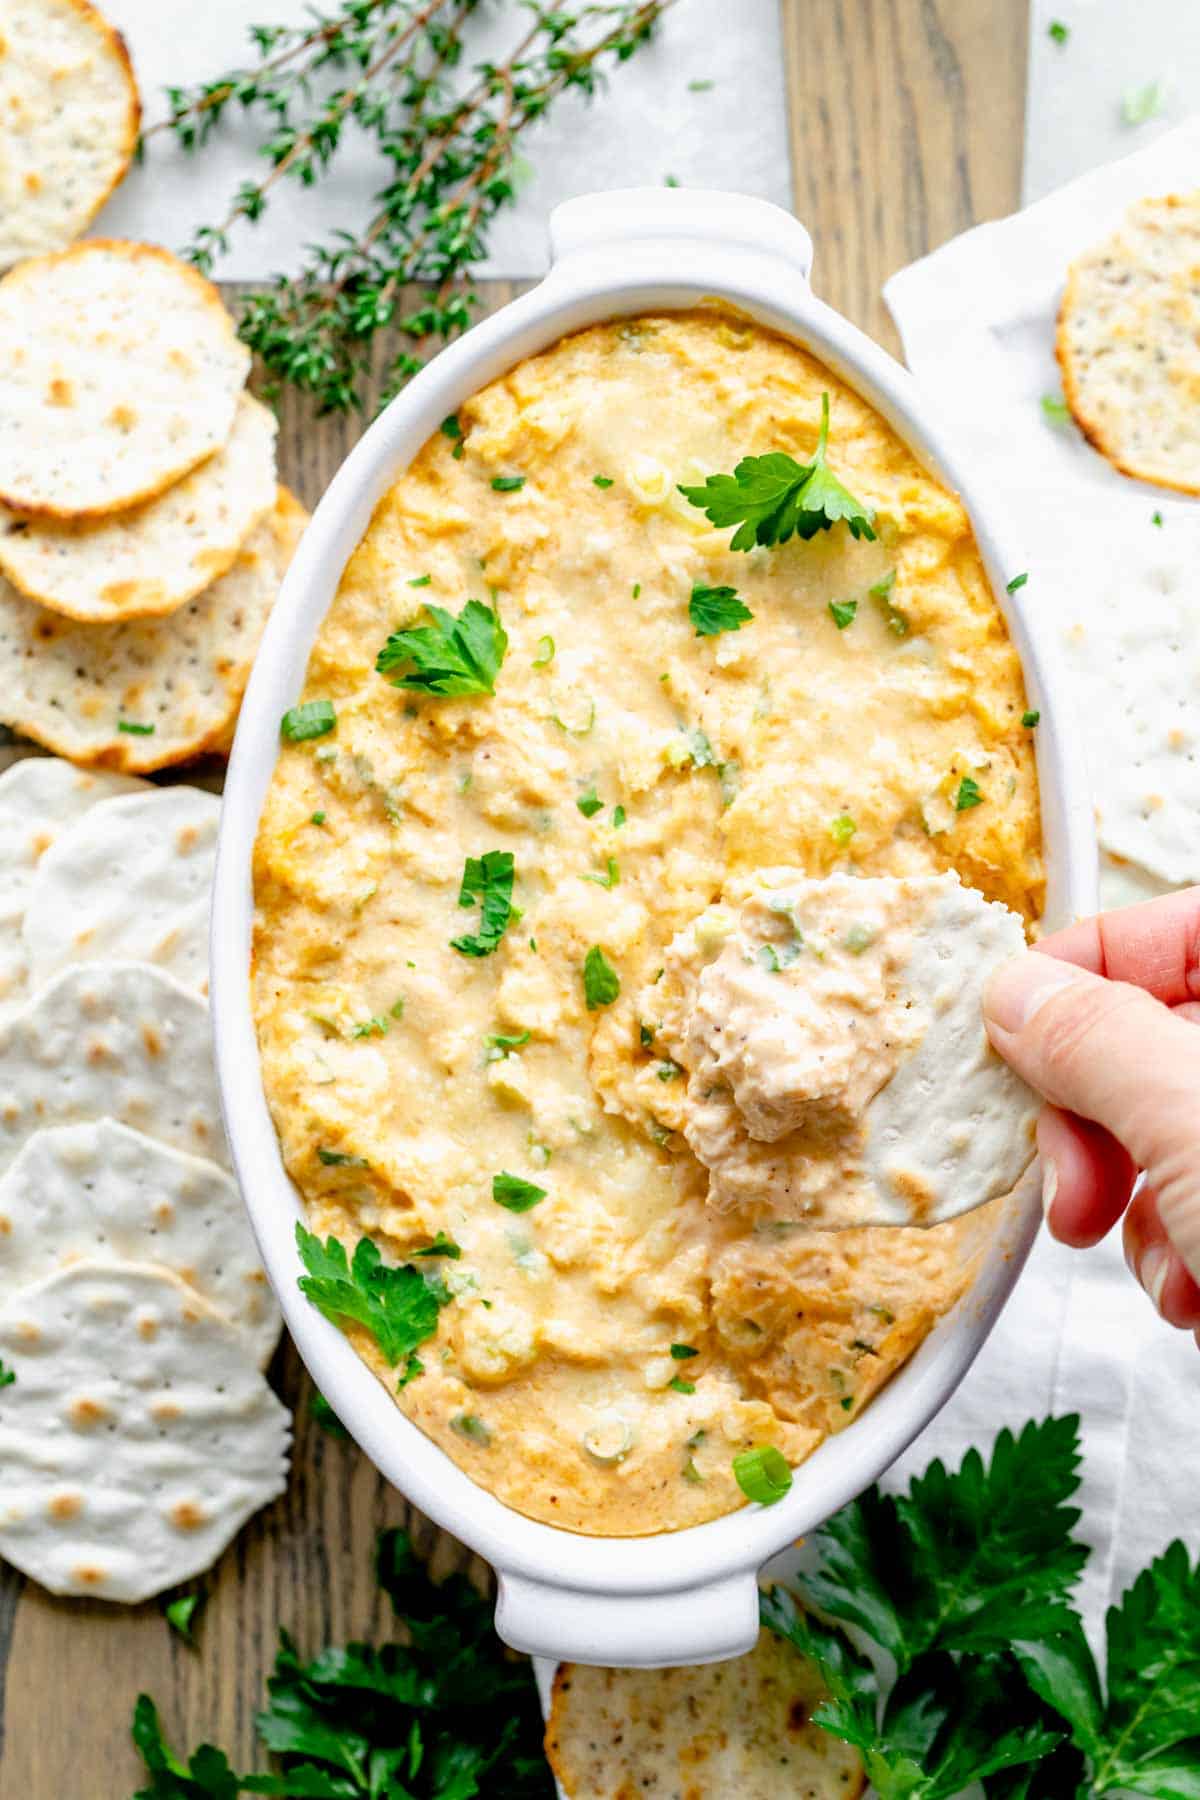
x=376, y=1026
x=589, y=803
x=1030, y=719
x=471, y=1428
x=602, y=481
x=1156, y=518
x=762, y=1474
x=881, y=592
x=7, y=1377
x=505, y=1043
x=1055, y=409
x=318, y=818
x=314, y=719
x=645, y=1035
x=842, y=612
x=340, y=1159
x=451, y=429
x=609, y=879
x=667, y=1071
x=772, y=498
x=449, y=656
x=441, y=1246
x=396, y=1009
x=683, y=1352
x=1018, y=581
x=968, y=795
x=134, y=729
x=545, y=652
x=601, y=983
x=514, y=1194
x=713, y=610
x=700, y=87
x=507, y=484
x=488, y=881
x=637, y=590
x=681, y=1386
x=420, y=581
x=842, y=829
x=397, y=1304
x=619, y=817
x=180, y=1615
x=1057, y=31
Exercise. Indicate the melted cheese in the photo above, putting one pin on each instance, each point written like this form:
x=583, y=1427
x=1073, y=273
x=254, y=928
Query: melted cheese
x=725, y=754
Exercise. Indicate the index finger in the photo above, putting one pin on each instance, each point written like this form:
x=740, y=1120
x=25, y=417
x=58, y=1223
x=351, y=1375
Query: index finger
x=1154, y=945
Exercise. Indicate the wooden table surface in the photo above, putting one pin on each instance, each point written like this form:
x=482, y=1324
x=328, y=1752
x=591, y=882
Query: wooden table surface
x=906, y=127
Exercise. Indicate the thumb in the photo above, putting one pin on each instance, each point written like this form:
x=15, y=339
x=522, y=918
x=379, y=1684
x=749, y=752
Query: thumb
x=1113, y=1054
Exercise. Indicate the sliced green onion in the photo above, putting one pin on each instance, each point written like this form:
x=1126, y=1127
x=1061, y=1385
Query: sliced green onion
x=762, y=1474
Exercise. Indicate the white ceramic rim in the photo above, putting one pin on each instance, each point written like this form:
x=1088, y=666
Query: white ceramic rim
x=639, y=1600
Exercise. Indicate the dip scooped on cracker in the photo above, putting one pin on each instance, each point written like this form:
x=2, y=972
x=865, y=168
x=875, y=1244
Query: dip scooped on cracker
x=837, y=1069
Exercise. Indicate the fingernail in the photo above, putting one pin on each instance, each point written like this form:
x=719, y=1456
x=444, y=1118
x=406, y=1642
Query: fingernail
x=1153, y=1270
x=1049, y=1185
x=1018, y=988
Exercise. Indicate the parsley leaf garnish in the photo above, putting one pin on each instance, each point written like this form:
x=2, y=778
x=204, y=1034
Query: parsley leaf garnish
x=398, y=1305
x=498, y=1040
x=1017, y=582
x=1031, y=718
x=7, y=1376
x=450, y=656
x=683, y=1352
x=589, y=803
x=180, y=1614
x=773, y=497
x=968, y=795
x=508, y=484
x=487, y=879
x=1057, y=31
x=610, y=878
x=842, y=612
x=716, y=609
x=311, y=720
x=601, y=983
x=515, y=1195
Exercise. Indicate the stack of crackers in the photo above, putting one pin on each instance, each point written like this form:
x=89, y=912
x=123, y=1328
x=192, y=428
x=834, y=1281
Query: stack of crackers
x=137, y=1433
x=143, y=536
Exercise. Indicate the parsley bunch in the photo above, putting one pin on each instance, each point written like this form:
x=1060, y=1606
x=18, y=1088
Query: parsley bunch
x=388, y=68
x=964, y=1583
x=446, y=1715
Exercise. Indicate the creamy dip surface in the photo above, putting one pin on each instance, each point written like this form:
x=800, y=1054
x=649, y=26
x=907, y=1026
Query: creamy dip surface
x=632, y=769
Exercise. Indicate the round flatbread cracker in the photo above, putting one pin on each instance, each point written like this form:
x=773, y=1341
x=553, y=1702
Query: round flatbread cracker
x=1129, y=343
x=151, y=559
x=112, y=1040
x=131, y=879
x=145, y=693
x=739, y=1728
x=122, y=371
x=70, y=111
x=138, y=1436
x=98, y=1192
x=40, y=796
x=831, y=1032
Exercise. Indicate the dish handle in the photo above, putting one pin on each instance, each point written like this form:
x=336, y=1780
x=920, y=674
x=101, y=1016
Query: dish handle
x=630, y=1631
x=600, y=227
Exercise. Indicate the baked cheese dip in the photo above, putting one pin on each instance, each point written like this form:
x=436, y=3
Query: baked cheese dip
x=550, y=715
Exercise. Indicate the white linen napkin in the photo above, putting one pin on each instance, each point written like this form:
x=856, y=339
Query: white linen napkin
x=977, y=321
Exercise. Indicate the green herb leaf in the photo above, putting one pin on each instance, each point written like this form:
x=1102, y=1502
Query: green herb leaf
x=487, y=879
x=601, y=983
x=421, y=581
x=1030, y=719
x=772, y=498
x=498, y=1040
x=1018, y=581
x=7, y=1377
x=589, y=803
x=508, y=484
x=681, y=1386
x=314, y=719
x=602, y=481
x=609, y=879
x=450, y=656
x=619, y=817
x=842, y=612
x=713, y=610
x=545, y=652
x=132, y=727
x=180, y=1613
x=968, y=795
x=1055, y=409
x=842, y=829
x=762, y=1474
x=514, y=1194
x=441, y=1246
x=682, y=1352
x=398, y=1305
x=340, y=1159
x=1057, y=31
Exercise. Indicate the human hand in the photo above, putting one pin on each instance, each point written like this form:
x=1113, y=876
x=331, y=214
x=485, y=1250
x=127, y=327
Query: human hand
x=1102, y=1020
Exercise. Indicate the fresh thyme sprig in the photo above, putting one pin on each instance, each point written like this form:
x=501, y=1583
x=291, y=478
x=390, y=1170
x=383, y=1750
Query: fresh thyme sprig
x=452, y=150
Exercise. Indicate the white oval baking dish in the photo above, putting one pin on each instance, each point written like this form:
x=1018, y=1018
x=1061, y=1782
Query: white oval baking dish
x=688, y=1596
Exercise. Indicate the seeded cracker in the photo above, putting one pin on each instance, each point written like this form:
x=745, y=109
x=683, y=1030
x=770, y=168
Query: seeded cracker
x=111, y=1040
x=733, y=1728
x=138, y=1436
x=151, y=559
x=1129, y=343
x=155, y=849
x=122, y=371
x=70, y=111
x=145, y=693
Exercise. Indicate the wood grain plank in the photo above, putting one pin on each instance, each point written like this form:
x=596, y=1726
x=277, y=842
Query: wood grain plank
x=906, y=121
x=906, y=127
